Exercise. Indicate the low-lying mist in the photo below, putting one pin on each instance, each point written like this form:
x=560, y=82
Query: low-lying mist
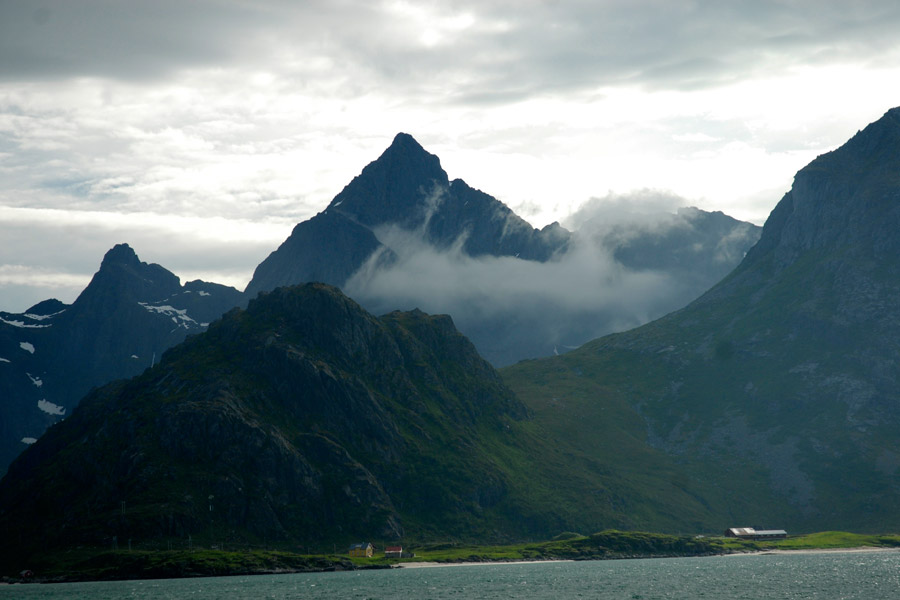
x=514, y=309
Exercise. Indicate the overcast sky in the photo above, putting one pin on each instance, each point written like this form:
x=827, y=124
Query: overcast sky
x=200, y=132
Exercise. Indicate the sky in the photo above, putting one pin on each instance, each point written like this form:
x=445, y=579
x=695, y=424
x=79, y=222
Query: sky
x=201, y=132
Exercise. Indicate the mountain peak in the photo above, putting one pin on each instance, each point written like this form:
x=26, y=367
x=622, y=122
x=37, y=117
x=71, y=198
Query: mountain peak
x=405, y=140
x=121, y=271
x=121, y=254
x=392, y=189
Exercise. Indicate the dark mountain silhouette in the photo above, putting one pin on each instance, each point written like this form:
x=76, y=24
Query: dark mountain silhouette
x=407, y=188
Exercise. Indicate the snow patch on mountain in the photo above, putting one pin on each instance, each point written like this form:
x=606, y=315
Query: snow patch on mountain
x=50, y=408
x=178, y=315
x=35, y=317
x=22, y=324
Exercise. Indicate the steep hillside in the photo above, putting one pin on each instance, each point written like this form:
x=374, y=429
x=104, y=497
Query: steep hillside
x=300, y=418
x=776, y=391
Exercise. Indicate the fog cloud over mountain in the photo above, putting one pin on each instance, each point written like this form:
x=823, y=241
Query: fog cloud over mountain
x=513, y=308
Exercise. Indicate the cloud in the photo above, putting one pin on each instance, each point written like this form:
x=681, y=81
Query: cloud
x=513, y=308
x=639, y=210
x=119, y=40
x=632, y=258
x=693, y=243
x=470, y=50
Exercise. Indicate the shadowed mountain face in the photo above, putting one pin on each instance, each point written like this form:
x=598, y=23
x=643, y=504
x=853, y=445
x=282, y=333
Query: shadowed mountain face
x=301, y=418
x=402, y=235
x=405, y=188
x=777, y=390
x=128, y=315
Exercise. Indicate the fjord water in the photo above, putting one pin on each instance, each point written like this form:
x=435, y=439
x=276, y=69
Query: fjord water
x=833, y=575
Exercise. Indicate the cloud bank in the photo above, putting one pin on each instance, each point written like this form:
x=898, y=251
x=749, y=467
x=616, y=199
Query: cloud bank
x=514, y=309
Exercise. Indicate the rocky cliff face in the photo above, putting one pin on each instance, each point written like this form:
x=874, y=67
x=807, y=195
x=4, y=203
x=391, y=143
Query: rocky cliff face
x=777, y=389
x=127, y=316
x=847, y=198
x=301, y=418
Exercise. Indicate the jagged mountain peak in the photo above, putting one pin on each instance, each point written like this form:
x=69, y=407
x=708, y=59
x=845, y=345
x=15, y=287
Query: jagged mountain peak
x=404, y=188
x=405, y=140
x=122, y=272
x=394, y=188
x=120, y=254
x=121, y=322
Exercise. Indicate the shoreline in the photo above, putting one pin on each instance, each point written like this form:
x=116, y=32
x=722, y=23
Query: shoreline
x=425, y=564
x=436, y=564
x=428, y=564
x=858, y=550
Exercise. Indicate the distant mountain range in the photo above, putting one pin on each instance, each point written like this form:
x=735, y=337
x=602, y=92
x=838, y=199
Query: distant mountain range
x=400, y=235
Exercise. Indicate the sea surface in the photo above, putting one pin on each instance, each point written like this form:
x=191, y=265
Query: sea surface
x=833, y=575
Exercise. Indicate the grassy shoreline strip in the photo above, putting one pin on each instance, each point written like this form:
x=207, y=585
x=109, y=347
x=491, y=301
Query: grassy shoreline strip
x=85, y=565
